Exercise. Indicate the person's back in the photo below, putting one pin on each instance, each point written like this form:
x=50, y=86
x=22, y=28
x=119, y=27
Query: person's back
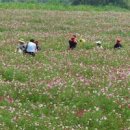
x=31, y=48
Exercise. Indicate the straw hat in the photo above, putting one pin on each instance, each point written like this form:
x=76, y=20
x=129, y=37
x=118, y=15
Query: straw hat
x=98, y=42
x=21, y=40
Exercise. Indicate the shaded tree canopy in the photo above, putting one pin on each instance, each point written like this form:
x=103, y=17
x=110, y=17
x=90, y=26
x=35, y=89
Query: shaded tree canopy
x=78, y=2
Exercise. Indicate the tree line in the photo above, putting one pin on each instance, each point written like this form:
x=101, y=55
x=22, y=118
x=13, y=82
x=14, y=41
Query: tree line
x=122, y=3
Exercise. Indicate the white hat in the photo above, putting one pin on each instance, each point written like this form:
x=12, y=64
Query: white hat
x=98, y=42
x=21, y=40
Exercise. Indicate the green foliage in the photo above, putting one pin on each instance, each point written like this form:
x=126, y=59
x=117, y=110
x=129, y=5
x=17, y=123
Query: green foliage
x=11, y=74
x=56, y=6
x=121, y=3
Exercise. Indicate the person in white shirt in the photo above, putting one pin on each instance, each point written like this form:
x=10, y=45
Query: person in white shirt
x=31, y=48
x=99, y=46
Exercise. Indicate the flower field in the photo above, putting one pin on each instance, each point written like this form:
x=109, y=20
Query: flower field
x=58, y=89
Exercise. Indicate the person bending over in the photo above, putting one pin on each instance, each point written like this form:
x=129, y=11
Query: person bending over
x=21, y=46
x=118, y=44
x=72, y=42
x=31, y=47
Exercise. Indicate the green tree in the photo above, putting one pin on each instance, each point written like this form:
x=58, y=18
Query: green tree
x=100, y=2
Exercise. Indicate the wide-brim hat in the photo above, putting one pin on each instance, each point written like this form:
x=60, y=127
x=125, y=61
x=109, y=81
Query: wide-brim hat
x=98, y=42
x=21, y=40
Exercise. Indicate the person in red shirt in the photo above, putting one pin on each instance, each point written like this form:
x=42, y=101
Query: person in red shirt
x=118, y=44
x=73, y=42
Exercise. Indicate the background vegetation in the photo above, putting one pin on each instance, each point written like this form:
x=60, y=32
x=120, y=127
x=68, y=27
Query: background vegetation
x=122, y=3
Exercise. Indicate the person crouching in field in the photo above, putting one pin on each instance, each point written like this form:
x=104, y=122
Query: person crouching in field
x=21, y=46
x=98, y=45
x=31, y=47
x=72, y=42
x=118, y=44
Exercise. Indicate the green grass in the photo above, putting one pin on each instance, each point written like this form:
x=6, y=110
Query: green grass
x=58, y=89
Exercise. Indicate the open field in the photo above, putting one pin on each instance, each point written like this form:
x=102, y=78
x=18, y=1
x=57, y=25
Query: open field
x=84, y=89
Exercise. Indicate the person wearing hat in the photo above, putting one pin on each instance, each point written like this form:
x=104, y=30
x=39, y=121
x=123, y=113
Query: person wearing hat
x=21, y=46
x=118, y=44
x=98, y=44
x=72, y=42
